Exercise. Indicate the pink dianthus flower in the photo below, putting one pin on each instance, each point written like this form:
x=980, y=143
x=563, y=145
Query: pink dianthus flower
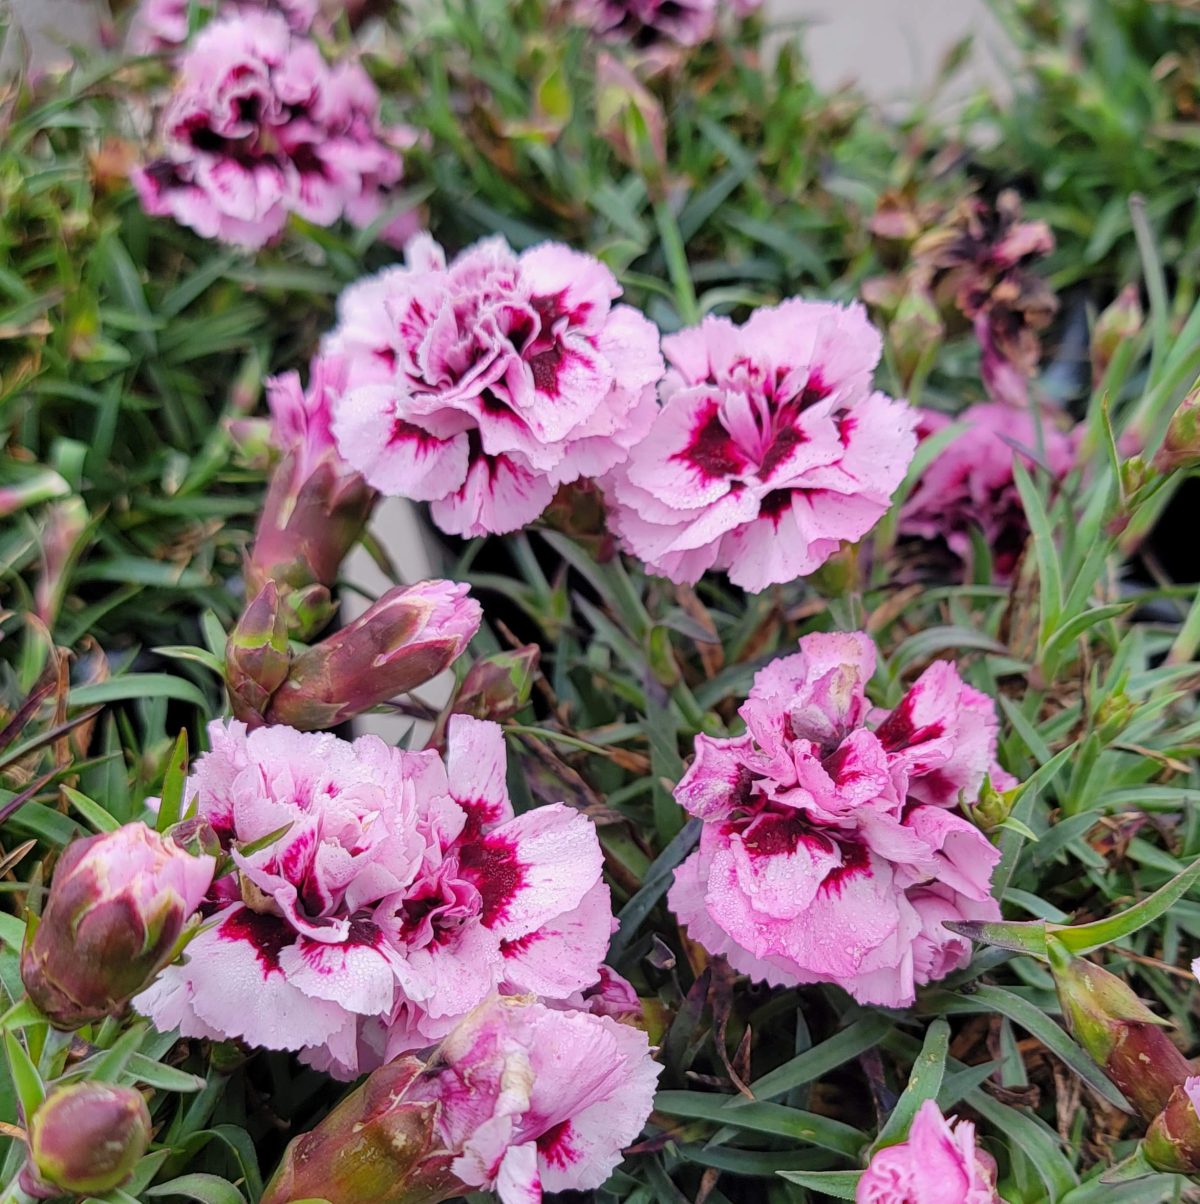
x=770, y=448
x=160, y=25
x=482, y=385
x=829, y=851
x=260, y=126
x=646, y=24
x=401, y=894
x=970, y=483
x=534, y=1100
x=939, y=1163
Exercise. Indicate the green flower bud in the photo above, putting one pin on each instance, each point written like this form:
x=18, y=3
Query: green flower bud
x=497, y=687
x=1181, y=445
x=257, y=656
x=373, y=1146
x=1121, y=1034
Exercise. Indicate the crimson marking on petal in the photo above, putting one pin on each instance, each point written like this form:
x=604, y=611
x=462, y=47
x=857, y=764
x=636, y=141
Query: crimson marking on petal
x=297, y=857
x=710, y=449
x=403, y=431
x=847, y=425
x=775, y=504
x=494, y=869
x=519, y=945
x=780, y=835
x=364, y=933
x=550, y=310
x=268, y=935
x=939, y=782
x=480, y=812
x=814, y=391
x=842, y=768
x=555, y=1146
x=785, y=439
x=898, y=731
x=855, y=860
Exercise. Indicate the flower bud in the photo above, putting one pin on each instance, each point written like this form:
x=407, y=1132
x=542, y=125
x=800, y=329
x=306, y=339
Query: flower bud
x=915, y=333
x=1114, y=715
x=839, y=575
x=410, y=635
x=253, y=442
x=196, y=836
x=372, y=1146
x=87, y=1138
x=1121, y=1034
x=1172, y=1142
x=630, y=119
x=316, y=504
x=257, y=655
x=994, y=806
x=117, y=906
x=1119, y=323
x=497, y=687
x=1181, y=444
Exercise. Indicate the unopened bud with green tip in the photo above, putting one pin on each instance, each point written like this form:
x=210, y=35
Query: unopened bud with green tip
x=257, y=655
x=1181, y=445
x=196, y=836
x=1173, y=1140
x=498, y=686
x=1120, y=1033
x=1114, y=715
x=373, y=1146
x=409, y=636
x=86, y=1139
x=839, y=575
x=994, y=806
x=117, y=906
x=915, y=334
x=631, y=120
x=1119, y=323
x=316, y=505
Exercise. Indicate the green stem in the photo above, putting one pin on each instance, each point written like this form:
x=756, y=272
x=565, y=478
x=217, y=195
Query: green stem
x=1183, y=650
x=1156, y=284
x=677, y=264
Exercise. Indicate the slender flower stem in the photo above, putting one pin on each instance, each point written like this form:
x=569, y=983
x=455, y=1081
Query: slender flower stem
x=677, y=264
x=1187, y=641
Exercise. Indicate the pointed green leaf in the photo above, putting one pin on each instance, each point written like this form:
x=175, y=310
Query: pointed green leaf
x=1022, y=936
x=853, y=1040
x=924, y=1083
x=112, y=1063
x=172, y=806
x=91, y=810
x=841, y=1185
x=761, y=1117
x=207, y=1189
x=30, y=1089
x=1083, y=938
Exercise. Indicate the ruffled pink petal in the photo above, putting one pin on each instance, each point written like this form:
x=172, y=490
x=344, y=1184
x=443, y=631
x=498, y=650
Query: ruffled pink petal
x=562, y=956
x=476, y=765
x=395, y=456
x=357, y=974
x=499, y=495
x=533, y=869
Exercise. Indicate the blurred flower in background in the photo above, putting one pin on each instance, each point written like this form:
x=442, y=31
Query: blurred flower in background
x=260, y=126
